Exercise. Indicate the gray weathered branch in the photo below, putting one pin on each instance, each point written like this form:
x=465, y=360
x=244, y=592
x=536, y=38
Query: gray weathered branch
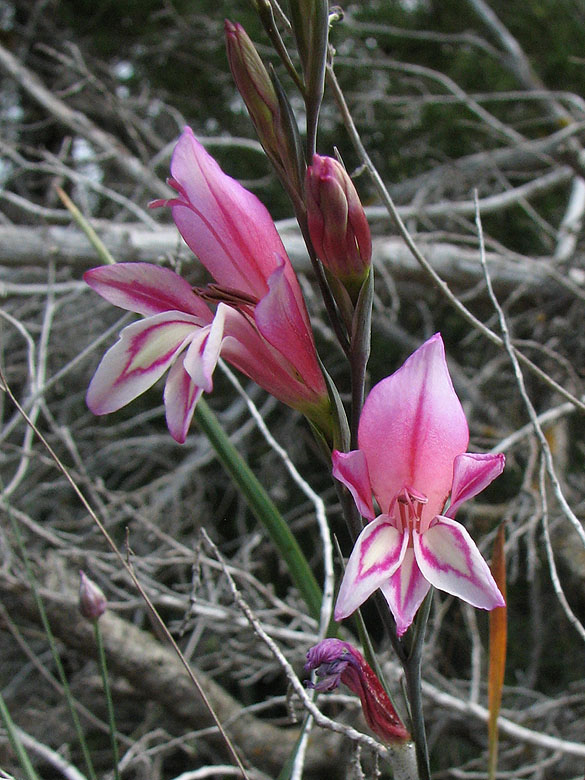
x=459, y=265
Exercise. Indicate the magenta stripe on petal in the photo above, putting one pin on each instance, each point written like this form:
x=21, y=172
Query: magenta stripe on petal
x=449, y=559
x=376, y=555
x=203, y=352
x=144, y=351
x=405, y=592
x=146, y=289
x=180, y=396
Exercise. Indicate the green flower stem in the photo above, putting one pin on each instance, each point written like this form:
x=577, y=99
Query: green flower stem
x=81, y=221
x=262, y=506
x=108, y=694
x=360, y=351
x=266, y=14
x=412, y=671
x=16, y=743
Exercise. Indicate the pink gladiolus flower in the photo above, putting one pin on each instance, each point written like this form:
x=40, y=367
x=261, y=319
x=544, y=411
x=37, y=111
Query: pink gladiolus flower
x=412, y=439
x=260, y=324
x=337, y=662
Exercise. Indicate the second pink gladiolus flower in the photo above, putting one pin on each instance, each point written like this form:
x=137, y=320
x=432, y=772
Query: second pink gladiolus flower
x=412, y=456
x=260, y=323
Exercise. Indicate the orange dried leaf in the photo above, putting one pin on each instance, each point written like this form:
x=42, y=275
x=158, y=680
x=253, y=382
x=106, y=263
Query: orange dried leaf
x=497, y=658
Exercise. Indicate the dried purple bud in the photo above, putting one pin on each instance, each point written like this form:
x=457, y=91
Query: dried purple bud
x=335, y=661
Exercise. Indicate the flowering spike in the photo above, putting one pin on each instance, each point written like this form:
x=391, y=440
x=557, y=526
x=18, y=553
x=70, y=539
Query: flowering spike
x=412, y=438
x=337, y=662
x=337, y=223
x=92, y=602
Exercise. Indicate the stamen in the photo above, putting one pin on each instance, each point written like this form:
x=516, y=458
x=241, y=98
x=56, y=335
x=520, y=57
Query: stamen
x=217, y=293
x=410, y=504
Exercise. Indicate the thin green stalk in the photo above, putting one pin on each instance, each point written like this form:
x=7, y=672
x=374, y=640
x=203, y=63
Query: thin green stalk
x=266, y=14
x=262, y=506
x=81, y=221
x=360, y=351
x=54, y=652
x=412, y=672
x=16, y=742
x=330, y=306
x=108, y=694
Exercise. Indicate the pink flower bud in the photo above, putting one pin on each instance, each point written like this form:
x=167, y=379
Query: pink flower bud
x=336, y=661
x=274, y=126
x=337, y=223
x=253, y=82
x=92, y=602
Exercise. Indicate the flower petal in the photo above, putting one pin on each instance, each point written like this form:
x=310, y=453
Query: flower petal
x=192, y=376
x=351, y=469
x=203, y=353
x=472, y=473
x=284, y=324
x=146, y=289
x=227, y=227
x=180, y=396
x=376, y=555
x=246, y=349
x=405, y=592
x=412, y=427
x=144, y=351
x=449, y=559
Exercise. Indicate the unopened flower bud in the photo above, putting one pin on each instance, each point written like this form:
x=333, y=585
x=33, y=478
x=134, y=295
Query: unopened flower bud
x=92, y=602
x=337, y=222
x=252, y=80
x=335, y=661
x=274, y=125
